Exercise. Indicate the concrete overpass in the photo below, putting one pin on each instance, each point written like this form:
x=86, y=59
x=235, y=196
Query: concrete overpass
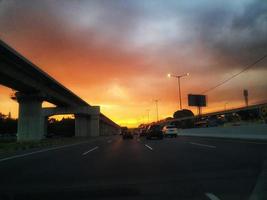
x=34, y=86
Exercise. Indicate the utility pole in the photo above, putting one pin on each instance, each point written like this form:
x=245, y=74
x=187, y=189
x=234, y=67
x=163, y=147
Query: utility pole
x=245, y=93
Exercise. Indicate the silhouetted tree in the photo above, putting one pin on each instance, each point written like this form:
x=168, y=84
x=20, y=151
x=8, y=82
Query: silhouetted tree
x=187, y=123
x=7, y=125
x=183, y=113
x=65, y=127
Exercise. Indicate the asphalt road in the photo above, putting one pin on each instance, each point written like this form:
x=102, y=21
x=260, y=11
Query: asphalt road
x=112, y=168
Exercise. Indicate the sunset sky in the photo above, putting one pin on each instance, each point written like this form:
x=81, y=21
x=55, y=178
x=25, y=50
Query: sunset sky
x=117, y=53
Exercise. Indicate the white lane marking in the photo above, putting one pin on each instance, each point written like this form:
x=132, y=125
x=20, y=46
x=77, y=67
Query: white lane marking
x=203, y=145
x=212, y=196
x=149, y=147
x=40, y=151
x=109, y=141
x=90, y=150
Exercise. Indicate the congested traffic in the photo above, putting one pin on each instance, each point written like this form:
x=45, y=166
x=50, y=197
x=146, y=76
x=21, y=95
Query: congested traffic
x=153, y=131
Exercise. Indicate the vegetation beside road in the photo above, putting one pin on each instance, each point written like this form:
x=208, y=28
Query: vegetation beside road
x=10, y=147
x=59, y=132
x=64, y=127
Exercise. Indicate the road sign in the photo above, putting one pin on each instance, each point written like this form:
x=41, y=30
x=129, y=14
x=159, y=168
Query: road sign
x=197, y=100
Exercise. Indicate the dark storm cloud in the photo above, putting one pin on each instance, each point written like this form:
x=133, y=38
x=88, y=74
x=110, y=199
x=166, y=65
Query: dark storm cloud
x=230, y=31
x=91, y=33
x=184, y=35
x=236, y=38
x=214, y=37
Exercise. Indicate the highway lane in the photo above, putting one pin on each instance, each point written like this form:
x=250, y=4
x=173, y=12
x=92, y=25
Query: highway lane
x=181, y=168
x=228, y=170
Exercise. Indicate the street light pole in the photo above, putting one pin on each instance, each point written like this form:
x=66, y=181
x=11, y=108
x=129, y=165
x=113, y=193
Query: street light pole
x=179, y=86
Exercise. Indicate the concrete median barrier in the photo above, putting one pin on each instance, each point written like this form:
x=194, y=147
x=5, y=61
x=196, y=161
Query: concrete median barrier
x=252, y=131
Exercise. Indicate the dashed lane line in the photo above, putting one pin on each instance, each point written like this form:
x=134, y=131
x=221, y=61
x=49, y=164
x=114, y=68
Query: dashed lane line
x=212, y=196
x=90, y=150
x=149, y=147
x=40, y=151
x=203, y=145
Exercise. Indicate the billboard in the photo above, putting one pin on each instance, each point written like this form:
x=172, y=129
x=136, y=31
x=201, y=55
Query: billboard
x=197, y=100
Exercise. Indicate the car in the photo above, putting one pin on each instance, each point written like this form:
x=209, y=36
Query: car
x=170, y=131
x=154, y=131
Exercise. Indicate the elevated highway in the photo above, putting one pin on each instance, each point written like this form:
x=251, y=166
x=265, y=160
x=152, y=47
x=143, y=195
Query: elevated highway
x=34, y=86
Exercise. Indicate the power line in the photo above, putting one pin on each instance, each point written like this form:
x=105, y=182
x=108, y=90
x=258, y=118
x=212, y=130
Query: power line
x=235, y=75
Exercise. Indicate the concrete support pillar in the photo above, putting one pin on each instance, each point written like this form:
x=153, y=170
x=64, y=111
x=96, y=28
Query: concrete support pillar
x=45, y=125
x=81, y=125
x=94, y=125
x=107, y=129
x=31, y=123
x=87, y=125
x=104, y=131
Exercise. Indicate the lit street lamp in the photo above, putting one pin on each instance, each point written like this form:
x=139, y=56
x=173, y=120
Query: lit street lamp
x=179, y=85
